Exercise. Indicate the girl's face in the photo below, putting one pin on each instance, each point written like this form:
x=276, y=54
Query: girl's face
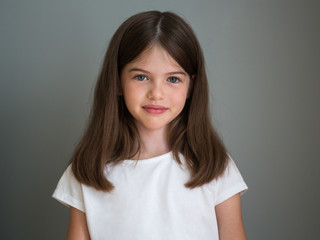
x=155, y=89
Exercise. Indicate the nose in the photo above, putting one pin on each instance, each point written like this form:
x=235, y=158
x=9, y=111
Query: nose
x=155, y=91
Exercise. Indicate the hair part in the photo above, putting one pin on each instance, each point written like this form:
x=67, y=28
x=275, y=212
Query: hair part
x=111, y=135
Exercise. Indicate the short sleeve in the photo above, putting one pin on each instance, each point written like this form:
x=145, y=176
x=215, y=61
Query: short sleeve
x=69, y=191
x=230, y=183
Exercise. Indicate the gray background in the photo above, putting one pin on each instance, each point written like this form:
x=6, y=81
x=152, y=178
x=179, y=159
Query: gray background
x=263, y=66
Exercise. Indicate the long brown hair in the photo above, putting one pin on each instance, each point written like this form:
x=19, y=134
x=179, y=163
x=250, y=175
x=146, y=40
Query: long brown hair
x=111, y=134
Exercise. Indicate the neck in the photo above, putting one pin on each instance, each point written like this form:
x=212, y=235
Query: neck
x=153, y=143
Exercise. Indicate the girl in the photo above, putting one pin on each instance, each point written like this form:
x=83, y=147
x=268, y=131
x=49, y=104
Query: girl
x=150, y=165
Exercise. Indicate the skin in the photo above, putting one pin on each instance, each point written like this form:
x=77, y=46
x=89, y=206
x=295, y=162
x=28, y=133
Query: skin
x=78, y=228
x=229, y=218
x=155, y=78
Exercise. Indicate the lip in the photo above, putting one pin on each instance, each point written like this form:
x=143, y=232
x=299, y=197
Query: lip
x=154, y=109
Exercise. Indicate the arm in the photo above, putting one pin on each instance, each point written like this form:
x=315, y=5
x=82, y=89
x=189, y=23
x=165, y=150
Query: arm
x=77, y=229
x=229, y=219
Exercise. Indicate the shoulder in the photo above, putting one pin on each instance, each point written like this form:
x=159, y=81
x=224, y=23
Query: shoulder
x=229, y=183
x=69, y=190
x=68, y=179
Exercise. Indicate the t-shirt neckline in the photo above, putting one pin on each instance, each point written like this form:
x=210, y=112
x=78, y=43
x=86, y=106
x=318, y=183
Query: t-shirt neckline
x=167, y=155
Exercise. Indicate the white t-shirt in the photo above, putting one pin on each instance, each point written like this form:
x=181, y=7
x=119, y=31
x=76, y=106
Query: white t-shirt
x=150, y=201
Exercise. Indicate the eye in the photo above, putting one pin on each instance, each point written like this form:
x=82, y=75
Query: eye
x=141, y=77
x=173, y=79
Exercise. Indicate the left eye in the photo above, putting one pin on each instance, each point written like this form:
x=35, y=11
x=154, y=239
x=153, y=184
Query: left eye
x=173, y=80
x=141, y=77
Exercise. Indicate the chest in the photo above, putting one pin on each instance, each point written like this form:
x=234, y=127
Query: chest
x=152, y=200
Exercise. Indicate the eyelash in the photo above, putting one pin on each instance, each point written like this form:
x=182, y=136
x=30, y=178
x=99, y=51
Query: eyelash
x=176, y=80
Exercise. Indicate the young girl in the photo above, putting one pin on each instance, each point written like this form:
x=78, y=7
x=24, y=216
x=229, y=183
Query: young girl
x=150, y=165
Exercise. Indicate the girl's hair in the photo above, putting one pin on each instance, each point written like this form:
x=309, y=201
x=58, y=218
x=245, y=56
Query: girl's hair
x=111, y=134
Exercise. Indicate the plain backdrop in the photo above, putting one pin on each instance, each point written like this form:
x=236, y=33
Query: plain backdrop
x=262, y=59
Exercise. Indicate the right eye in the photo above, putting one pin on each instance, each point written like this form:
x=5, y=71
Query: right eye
x=141, y=77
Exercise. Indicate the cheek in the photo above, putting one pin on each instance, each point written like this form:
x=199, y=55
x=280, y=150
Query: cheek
x=132, y=92
x=132, y=95
x=179, y=97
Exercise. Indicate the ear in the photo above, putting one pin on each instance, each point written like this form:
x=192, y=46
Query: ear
x=191, y=83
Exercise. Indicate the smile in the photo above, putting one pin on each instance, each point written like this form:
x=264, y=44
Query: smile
x=154, y=109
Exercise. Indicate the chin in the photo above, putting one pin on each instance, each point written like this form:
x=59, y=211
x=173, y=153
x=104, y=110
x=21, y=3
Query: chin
x=153, y=126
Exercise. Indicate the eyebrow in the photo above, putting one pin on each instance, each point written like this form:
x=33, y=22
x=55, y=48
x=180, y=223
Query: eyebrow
x=145, y=71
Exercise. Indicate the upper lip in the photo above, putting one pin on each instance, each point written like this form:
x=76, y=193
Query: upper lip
x=154, y=106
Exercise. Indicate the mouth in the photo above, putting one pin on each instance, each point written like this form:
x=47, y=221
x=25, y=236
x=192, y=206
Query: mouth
x=154, y=109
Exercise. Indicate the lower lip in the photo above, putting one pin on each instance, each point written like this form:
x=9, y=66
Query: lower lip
x=155, y=110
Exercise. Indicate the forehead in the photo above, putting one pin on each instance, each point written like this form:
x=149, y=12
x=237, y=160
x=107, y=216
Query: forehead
x=155, y=55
